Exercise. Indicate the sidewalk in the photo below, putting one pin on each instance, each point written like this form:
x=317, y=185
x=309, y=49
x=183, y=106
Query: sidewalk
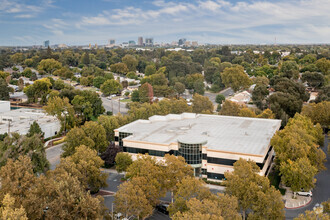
x=220, y=188
x=299, y=202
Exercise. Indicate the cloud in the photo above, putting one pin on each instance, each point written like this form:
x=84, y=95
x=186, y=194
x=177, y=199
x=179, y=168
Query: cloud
x=209, y=5
x=19, y=6
x=208, y=21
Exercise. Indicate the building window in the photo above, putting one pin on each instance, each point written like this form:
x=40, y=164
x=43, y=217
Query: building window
x=217, y=176
x=221, y=161
x=144, y=151
x=122, y=135
x=204, y=171
x=192, y=153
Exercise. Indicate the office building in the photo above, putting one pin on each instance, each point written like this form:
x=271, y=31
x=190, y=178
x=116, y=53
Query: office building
x=112, y=41
x=182, y=41
x=20, y=120
x=131, y=43
x=194, y=44
x=140, y=41
x=149, y=42
x=211, y=144
x=46, y=43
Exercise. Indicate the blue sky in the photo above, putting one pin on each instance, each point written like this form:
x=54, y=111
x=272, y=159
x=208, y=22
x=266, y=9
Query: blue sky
x=77, y=22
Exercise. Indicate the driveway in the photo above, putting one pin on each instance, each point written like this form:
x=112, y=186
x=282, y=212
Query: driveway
x=53, y=155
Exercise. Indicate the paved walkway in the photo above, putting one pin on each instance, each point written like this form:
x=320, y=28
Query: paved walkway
x=298, y=202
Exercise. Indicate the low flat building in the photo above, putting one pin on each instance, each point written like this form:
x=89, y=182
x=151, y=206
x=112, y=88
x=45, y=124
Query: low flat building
x=20, y=120
x=211, y=144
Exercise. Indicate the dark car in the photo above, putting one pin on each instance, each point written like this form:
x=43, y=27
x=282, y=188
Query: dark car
x=162, y=208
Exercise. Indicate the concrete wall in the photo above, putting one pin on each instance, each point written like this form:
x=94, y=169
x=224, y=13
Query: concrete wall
x=4, y=106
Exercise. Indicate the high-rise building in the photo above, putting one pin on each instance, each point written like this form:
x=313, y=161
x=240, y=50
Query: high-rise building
x=194, y=44
x=112, y=41
x=131, y=43
x=46, y=43
x=149, y=41
x=182, y=41
x=140, y=41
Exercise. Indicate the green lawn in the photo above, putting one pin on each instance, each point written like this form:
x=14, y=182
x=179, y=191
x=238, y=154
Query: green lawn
x=126, y=100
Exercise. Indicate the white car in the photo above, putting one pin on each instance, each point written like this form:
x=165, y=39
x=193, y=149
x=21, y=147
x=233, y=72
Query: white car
x=302, y=193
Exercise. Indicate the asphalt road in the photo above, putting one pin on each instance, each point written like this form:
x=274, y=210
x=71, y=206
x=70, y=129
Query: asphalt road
x=321, y=192
x=113, y=105
x=53, y=155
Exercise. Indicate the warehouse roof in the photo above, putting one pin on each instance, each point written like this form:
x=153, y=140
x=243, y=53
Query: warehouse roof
x=217, y=132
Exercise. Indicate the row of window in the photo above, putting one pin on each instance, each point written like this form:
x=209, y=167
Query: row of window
x=145, y=151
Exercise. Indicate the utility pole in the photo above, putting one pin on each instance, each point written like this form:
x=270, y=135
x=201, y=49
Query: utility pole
x=119, y=104
x=9, y=127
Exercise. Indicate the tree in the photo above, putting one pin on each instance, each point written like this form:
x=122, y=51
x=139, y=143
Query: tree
x=17, y=145
x=230, y=108
x=111, y=86
x=85, y=164
x=65, y=197
x=218, y=206
x=91, y=134
x=109, y=123
x=312, y=215
x=179, y=88
x=98, y=81
x=17, y=178
x=267, y=113
x=109, y=155
x=39, y=89
x=120, y=68
x=150, y=69
x=199, y=87
x=8, y=211
x=299, y=174
x=192, y=79
x=146, y=93
x=82, y=107
x=254, y=191
x=247, y=112
x=123, y=161
x=290, y=69
x=35, y=129
x=135, y=96
x=49, y=65
x=220, y=98
x=318, y=113
x=188, y=188
x=313, y=79
x=324, y=65
x=201, y=104
x=63, y=110
x=175, y=170
x=235, y=77
x=85, y=58
x=4, y=90
x=27, y=72
x=131, y=200
x=299, y=139
x=130, y=61
x=284, y=105
x=259, y=93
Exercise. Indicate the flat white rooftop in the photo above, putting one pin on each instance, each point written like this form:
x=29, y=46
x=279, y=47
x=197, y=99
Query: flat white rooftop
x=21, y=119
x=222, y=133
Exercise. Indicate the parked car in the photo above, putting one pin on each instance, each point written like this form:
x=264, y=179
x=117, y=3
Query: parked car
x=303, y=193
x=162, y=208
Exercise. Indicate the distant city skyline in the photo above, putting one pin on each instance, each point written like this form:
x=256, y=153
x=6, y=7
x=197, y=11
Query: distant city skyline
x=83, y=22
